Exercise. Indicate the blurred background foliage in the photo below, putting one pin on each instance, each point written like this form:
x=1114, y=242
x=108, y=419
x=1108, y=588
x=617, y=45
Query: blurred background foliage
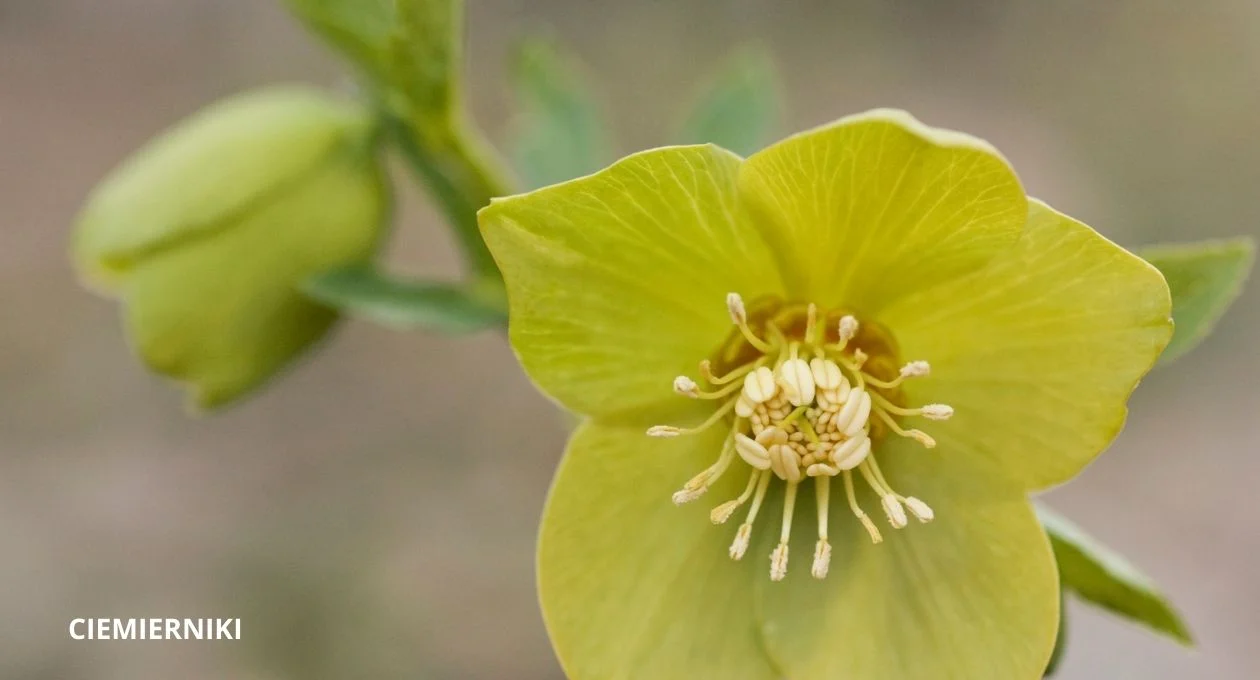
x=373, y=514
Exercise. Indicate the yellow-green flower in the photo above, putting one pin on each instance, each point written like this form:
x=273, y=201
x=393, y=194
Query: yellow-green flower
x=208, y=233
x=835, y=289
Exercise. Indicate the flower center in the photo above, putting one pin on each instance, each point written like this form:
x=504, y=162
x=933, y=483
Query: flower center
x=808, y=398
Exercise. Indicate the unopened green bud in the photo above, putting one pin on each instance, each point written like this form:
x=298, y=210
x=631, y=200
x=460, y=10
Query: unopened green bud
x=207, y=233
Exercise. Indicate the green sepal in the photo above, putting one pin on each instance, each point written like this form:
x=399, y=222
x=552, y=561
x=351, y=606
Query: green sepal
x=1105, y=579
x=738, y=109
x=561, y=132
x=1205, y=278
x=400, y=304
x=1060, y=640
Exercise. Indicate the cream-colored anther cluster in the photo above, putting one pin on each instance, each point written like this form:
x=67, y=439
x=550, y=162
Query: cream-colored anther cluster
x=806, y=420
x=802, y=409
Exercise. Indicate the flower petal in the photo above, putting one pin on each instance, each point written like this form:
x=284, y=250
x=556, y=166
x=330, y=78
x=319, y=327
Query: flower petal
x=876, y=205
x=973, y=594
x=1038, y=352
x=617, y=281
x=634, y=587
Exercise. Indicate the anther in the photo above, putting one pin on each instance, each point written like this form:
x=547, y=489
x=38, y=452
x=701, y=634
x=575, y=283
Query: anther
x=739, y=315
x=797, y=381
x=848, y=413
x=860, y=417
x=867, y=524
x=827, y=375
x=779, y=559
x=852, y=452
x=686, y=387
x=760, y=386
x=860, y=357
x=723, y=512
x=778, y=562
x=664, y=431
x=919, y=509
x=892, y=508
x=735, y=305
x=936, y=411
x=915, y=369
x=740, y=545
x=822, y=559
x=848, y=329
x=822, y=549
x=752, y=452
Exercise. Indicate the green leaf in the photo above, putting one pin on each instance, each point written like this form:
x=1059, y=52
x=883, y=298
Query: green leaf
x=1204, y=278
x=405, y=305
x=561, y=132
x=1104, y=578
x=738, y=109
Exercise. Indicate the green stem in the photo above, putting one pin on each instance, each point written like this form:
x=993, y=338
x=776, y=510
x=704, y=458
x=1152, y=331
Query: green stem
x=453, y=160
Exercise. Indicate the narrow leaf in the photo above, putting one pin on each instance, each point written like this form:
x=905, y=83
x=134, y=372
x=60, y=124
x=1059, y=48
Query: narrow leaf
x=1105, y=579
x=405, y=305
x=1204, y=278
x=560, y=133
x=738, y=109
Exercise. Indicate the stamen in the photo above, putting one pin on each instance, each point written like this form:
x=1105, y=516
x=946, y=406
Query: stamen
x=852, y=451
x=929, y=411
x=919, y=509
x=735, y=305
x=826, y=373
x=706, y=371
x=892, y=507
x=857, y=510
x=917, y=435
x=696, y=486
x=740, y=545
x=797, y=381
x=914, y=369
x=752, y=452
x=855, y=412
x=847, y=330
x=723, y=512
x=686, y=387
x=822, y=549
x=896, y=513
x=760, y=385
x=671, y=431
x=779, y=558
x=811, y=323
x=937, y=411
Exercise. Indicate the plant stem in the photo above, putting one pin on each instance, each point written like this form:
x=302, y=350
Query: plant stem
x=457, y=167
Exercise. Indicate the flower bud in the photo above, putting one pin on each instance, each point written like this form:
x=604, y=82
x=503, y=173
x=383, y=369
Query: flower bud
x=208, y=232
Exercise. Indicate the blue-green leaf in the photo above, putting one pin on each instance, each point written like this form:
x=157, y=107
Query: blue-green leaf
x=1205, y=278
x=738, y=109
x=406, y=305
x=1102, y=577
x=560, y=133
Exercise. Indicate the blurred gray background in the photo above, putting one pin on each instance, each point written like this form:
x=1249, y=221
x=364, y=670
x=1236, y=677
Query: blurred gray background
x=373, y=514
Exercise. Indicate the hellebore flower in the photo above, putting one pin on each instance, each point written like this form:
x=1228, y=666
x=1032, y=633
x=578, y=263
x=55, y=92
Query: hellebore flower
x=207, y=233
x=836, y=288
